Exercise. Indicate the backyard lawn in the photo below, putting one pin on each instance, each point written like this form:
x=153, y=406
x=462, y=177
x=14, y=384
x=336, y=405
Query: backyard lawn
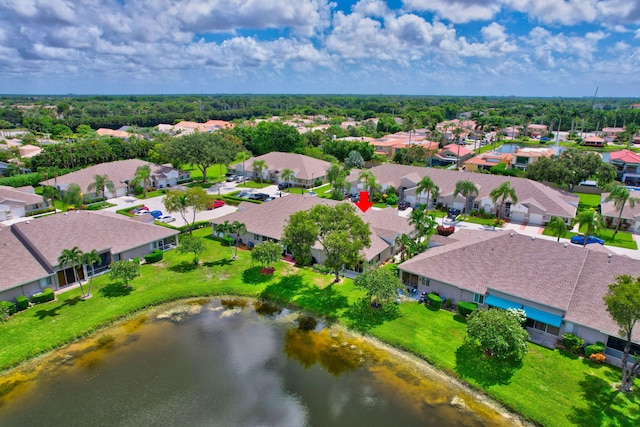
x=549, y=386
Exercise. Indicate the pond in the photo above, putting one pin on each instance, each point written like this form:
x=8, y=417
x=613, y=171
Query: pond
x=232, y=363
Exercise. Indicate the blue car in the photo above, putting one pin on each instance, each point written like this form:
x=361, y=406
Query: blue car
x=156, y=214
x=579, y=240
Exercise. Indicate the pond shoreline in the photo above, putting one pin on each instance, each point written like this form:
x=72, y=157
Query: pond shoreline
x=405, y=358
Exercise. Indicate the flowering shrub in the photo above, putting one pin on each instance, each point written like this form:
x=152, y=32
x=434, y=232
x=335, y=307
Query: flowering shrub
x=597, y=357
x=519, y=314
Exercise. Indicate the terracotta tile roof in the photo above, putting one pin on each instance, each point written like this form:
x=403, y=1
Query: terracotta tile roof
x=625, y=156
x=385, y=224
x=457, y=150
x=17, y=264
x=88, y=230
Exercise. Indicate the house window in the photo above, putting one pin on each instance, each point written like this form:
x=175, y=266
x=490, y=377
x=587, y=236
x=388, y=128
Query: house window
x=256, y=237
x=543, y=327
x=478, y=298
x=117, y=257
x=425, y=281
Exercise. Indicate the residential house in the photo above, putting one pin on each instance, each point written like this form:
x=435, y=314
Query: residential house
x=452, y=154
x=390, y=144
x=3, y=168
x=456, y=129
x=611, y=134
x=630, y=219
x=30, y=250
x=537, y=131
x=627, y=164
x=28, y=150
x=120, y=133
x=524, y=157
x=560, y=286
x=385, y=224
x=187, y=127
x=487, y=160
x=307, y=170
x=537, y=203
x=594, y=141
x=15, y=203
x=121, y=173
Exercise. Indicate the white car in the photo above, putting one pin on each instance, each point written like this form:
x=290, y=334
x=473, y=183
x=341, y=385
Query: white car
x=166, y=218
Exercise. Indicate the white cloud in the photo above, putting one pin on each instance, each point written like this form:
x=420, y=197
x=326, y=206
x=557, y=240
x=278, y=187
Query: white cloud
x=456, y=11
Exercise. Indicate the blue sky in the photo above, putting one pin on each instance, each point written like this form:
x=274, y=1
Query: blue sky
x=415, y=47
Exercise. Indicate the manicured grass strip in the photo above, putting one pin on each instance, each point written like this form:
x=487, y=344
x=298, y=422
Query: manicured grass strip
x=622, y=240
x=588, y=201
x=254, y=184
x=549, y=386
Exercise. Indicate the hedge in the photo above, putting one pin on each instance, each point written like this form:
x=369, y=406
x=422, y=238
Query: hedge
x=572, y=342
x=41, y=211
x=44, y=296
x=154, y=256
x=8, y=305
x=465, y=308
x=593, y=349
x=33, y=179
x=434, y=301
x=23, y=302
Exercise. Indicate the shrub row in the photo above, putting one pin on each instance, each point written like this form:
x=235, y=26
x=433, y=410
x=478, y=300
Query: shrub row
x=44, y=296
x=592, y=349
x=23, y=302
x=465, y=308
x=234, y=201
x=572, y=342
x=434, y=301
x=9, y=306
x=33, y=179
x=154, y=256
x=321, y=268
x=41, y=211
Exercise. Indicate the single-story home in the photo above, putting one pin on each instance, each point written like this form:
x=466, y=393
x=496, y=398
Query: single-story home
x=307, y=170
x=121, y=173
x=15, y=203
x=385, y=224
x=537, y=202
x=559, y=285
x=30, y=250
x=593, y=141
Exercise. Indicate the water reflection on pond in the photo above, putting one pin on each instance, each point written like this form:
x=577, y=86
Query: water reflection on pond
x=221, y=363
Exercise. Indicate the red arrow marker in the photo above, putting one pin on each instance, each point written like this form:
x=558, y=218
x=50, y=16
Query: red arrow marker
x=364, y=204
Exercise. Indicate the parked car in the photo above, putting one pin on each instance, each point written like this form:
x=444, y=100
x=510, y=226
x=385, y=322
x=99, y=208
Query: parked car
x=312, y=194
x=453, y=213
x=215, y=204
x=231, y=178
x=579, y=240
x=244, y=195
x=269, y=199
x=403, y=205
x=284, y=185
x=156, y=214
x=355, y=197
x=165, y=218
x=258, y=196
x=139, y=210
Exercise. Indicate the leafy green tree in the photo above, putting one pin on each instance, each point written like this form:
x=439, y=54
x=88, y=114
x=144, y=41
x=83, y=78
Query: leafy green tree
x=191, y=245
x=467, y=189
x=620, y=195
x=85, y=131
x=354, y=160
x=557, y=227
x=192, y=200
x=275, y=136
x=380, y=284
x=426, y=185
x=124, y=271
x=342, y=235
x=591, y=221
x=90, y=259
x=299, y=235
x=503, y=193
x=51, y=194
x=73, y=257
x=623, y=304
x=498, y=332
x=202, y=149
x=100, y=184
x=73, y=196
x=266, y=253
x=142, y=178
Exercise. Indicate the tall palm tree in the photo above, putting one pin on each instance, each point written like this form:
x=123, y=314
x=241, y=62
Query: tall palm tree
x=73, y=257
x=226, y=229
x=237, y=228
x=467, y=189
x=370, y=183
x=143, y=177
x=426, y=185
x=100, y=184
x=258, y=167
x=288, y=175
x=243, y=156
x=557, y=227
x=591, y=220
x=502, y=193
x=333, y=172
x=91, y=259
x=620, y=195
x=51, y=194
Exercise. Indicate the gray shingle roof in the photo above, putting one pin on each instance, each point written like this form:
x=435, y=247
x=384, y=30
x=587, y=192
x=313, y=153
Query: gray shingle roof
x=304, y=167
x=10, y=193
x=17, y=264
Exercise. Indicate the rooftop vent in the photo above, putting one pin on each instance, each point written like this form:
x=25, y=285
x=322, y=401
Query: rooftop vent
x=510, y=234
x=566, y=245
x=609, y=255
x=533, y=237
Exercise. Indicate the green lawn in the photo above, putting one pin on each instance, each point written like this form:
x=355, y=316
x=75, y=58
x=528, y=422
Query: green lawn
x=588, y=201
x=254, y=184
x=622, y=239
x=549, y=387
x=215, y=173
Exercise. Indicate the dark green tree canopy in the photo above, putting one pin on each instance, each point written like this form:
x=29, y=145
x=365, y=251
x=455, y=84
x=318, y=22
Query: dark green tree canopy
x=380, y=284
x=498, y=332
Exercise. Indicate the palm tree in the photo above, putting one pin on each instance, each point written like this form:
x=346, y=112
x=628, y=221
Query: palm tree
x=143, y=177
x=242, y=157
x=100, y=184
x=333, y=172
x=225, y=229
x=370, y=183
x=557, y=227
x=620, y=195
x=237, y=228
x=591, y=220
x=258, y=167
x=426, y=185
x=72, y=256
x=288, y=175
x=51, y=194
x=467, y=189
x=502, y=193
x=91, y=258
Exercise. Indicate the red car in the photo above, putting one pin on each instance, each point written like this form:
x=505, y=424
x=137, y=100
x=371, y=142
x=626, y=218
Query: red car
x=215, y=204
x=139, y=210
